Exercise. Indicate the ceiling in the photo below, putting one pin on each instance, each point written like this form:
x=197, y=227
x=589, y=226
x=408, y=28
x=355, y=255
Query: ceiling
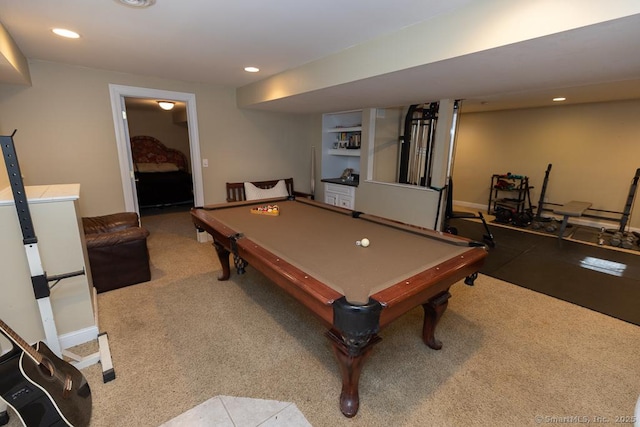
x=211, y=42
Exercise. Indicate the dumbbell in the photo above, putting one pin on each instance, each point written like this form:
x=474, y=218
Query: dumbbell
x=627, y=242
x=524, y=219
x=504, y=216
x=552, y=227
x=616, y=239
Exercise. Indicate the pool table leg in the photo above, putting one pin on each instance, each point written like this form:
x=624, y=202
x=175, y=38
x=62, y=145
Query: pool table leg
x=223, y=257
x=433, y=311
x=350, y=359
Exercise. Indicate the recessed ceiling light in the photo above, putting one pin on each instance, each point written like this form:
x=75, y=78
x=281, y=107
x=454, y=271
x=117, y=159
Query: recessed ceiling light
x=62, y=32
x=559, y=99
x=251, y=69
x=137, y=3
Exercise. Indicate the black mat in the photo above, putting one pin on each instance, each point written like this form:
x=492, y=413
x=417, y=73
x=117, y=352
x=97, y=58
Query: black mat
x=597, y=278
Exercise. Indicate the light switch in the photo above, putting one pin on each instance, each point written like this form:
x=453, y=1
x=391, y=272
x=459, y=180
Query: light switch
x=205, y=163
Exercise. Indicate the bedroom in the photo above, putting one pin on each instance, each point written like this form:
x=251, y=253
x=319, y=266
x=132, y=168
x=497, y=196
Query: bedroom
x=161, y=154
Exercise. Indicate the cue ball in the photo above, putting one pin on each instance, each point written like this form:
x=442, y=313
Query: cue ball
x=364, y=242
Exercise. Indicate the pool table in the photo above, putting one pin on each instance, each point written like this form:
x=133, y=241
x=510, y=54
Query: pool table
x=310, y=251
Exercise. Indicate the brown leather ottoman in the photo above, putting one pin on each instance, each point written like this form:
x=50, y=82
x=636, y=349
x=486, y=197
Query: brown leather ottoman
x=117, y=249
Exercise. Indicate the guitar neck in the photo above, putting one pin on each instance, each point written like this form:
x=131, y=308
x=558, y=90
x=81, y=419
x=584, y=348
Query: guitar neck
x=9, y=333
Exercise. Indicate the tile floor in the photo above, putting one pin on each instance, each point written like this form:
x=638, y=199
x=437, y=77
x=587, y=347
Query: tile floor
x=223, y=411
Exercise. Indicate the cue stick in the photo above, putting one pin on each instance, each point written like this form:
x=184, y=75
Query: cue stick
x=313, y=171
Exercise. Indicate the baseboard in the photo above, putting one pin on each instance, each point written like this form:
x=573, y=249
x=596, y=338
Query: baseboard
x=78, y=337
x=475, y=206
x=203, y=237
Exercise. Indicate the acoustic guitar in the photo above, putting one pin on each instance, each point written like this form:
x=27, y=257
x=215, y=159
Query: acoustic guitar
x=43, y=389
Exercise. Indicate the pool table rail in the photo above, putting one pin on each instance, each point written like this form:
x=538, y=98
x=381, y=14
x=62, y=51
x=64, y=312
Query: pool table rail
x=418, y=289
x=312, y=293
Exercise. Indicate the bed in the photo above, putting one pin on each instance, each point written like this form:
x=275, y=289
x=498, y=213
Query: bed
x=161, y=173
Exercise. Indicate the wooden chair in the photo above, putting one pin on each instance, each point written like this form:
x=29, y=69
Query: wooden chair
x=235, y=190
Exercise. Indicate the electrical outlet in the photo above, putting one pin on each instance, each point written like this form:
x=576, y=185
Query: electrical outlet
x=205, y=163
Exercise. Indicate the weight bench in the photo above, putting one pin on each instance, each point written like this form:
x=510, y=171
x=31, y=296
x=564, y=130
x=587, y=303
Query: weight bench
x=571, y=209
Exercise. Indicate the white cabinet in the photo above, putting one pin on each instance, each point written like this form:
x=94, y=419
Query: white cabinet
x=340, y=195
x=57, y=224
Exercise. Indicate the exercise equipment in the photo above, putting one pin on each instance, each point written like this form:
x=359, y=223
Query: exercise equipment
x=503, y=215
x=624, y=240
x=511, y=210
x=628, y=207
x=416, y=155
x=451, y=214
x=571, y=209
x=602, y=214
x=538, y=216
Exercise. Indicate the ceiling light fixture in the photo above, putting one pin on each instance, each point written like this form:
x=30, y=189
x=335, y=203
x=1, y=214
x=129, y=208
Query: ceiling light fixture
x=559, y=99
x=166, y=105
x=62, y=32
x=137, y=3
x=251, y=69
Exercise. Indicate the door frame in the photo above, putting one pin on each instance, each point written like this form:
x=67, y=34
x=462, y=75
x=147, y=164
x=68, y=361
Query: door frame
x=117, y=94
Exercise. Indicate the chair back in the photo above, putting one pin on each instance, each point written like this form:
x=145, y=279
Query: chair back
x=235, y=190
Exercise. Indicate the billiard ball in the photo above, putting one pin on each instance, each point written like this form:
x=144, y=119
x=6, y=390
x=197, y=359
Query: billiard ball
x=364, y=242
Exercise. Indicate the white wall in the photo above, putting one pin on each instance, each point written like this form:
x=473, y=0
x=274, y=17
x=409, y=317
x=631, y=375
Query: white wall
x=66, y=134
x=594, y=150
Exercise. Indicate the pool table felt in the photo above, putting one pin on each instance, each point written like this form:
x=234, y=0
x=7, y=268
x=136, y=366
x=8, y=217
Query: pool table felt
x=322, y=243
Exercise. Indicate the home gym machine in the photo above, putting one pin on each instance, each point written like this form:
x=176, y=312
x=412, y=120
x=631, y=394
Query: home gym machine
x=416, y=161
x=416, y=152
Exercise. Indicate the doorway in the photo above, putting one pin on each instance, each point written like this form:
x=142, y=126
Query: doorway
x=118, y=97
x=161, y=155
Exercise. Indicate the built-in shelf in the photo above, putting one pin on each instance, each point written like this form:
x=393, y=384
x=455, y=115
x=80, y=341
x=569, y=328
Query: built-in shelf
x=345, y=129
x=344, y=152
x=339, y=131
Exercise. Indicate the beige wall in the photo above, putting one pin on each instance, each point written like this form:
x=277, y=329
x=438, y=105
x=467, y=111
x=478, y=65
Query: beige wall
x=594, y=150
x=4, y=177
x=388, y=128
x=66, y=134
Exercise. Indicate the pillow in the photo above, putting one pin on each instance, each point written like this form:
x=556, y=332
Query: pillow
x=167, y=167
x=156, y=167
x=251, y=192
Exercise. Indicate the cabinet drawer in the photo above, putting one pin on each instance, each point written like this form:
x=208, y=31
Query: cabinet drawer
x=345, y=202
x=331, y=199
x=339, y=189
